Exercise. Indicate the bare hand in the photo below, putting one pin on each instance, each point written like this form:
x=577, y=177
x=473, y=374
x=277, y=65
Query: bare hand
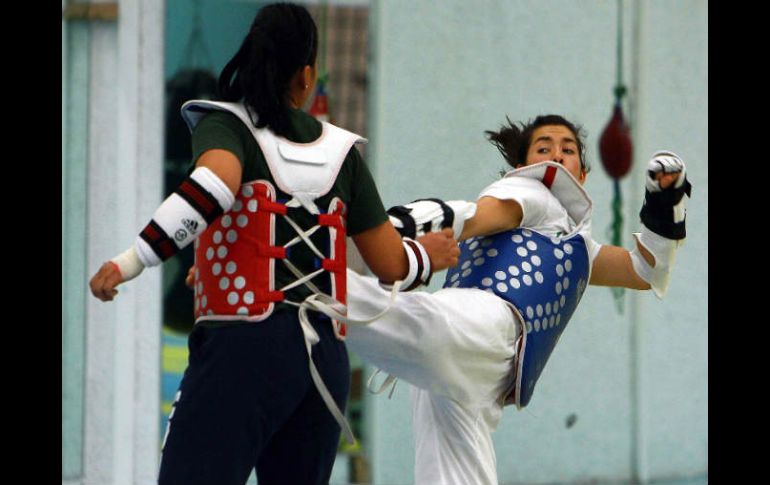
x=190, y=279
x=442, y=249
x=105, y=280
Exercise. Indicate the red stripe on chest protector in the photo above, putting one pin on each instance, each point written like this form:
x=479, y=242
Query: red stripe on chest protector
x=550, y=175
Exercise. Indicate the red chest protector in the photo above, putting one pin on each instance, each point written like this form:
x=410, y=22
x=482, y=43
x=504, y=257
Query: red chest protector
x=235, y=257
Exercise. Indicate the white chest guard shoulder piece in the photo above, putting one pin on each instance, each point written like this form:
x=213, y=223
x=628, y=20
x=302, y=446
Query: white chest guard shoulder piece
x=304, y=170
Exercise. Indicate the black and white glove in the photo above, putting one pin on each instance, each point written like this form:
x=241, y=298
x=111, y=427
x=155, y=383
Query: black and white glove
x=663, y=221
x=663, y=211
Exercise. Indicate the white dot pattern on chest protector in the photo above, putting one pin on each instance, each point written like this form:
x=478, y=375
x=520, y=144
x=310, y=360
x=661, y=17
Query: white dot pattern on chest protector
x=560, y=270
x=517, y=238
x=536, y=260
x=224, y=283
x=530, y=312
x=548, y=308
x=251, y=205
x=486, y=243
x=526, y=266
x=539, y=277
x=232, y=236
x=210, y=254
x=558, y=319
x=227, y=220
x=558, y=253
x=231, y=267
x=232, y=298
x=248, y=297
x=222, y=252
x=532, y=245
x=478, y=253
x=492, y=253
x=514, y=283
x=466, y=265
x=527, y=279
x=474, y=245
x=565, y=283
x=526, y=232
x=502, y=287
x=521, y=251
x=217, y=237
x=539, y=310
x=529, y=327
x=216, y=268
x=568, y=248
x=568, y=265
x=204, y=301
x=500, y=275
x=558, y=287
x=466, y=272
x=478, y=262
x=455, y=277
x=537, y=325
x=513, y=270
x=247, y=191
x=562, y=301
x=487, y=281
x=239, y=282
x=237, y=206
x=242, y=220
x=242, y=310
x=200, y=288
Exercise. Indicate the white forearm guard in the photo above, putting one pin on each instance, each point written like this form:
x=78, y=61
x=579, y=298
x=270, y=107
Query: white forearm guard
x=431, y=215
x=179, y=220
x=664, y=252
x=419, y=266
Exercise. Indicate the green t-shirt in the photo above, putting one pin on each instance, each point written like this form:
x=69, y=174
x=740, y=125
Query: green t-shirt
x=354, y=186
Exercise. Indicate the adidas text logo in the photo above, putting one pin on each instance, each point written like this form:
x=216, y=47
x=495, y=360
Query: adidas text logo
x=190, y=224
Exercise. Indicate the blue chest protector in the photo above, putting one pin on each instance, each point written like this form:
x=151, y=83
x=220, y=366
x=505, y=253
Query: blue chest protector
x=543, y=277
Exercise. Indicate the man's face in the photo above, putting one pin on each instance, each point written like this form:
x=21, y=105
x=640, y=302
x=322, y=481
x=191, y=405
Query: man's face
x=556, y=143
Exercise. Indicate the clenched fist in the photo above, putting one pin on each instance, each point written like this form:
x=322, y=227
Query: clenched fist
x=442, y=249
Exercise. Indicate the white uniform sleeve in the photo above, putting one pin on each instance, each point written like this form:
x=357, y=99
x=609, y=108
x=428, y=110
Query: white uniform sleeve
x=531, y=195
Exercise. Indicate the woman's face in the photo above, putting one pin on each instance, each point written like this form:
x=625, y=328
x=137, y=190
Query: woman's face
x=556, y=143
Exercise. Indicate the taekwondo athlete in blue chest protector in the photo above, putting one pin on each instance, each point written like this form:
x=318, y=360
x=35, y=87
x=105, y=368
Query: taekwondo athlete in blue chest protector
x=527, y=255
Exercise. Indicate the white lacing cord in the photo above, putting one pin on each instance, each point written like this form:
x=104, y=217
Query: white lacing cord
x=388, y=380
x=304, y=235
x=337, y=311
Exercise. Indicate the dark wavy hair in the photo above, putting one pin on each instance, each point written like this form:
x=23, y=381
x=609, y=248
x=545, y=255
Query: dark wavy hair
x=513, y=141
x=282, y=40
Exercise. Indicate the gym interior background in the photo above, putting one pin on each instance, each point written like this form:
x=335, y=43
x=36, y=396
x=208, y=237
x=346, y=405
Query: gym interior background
x=623, y=400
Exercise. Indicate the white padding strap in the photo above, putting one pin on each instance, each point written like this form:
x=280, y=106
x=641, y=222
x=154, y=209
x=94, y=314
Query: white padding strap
x=215, y=186
x=128, y=264
x=664, y=252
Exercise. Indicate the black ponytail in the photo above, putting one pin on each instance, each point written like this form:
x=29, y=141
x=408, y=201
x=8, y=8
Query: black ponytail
x=282, y=40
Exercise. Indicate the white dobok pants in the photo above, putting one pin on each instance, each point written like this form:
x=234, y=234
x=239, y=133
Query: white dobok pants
x=456, y=347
